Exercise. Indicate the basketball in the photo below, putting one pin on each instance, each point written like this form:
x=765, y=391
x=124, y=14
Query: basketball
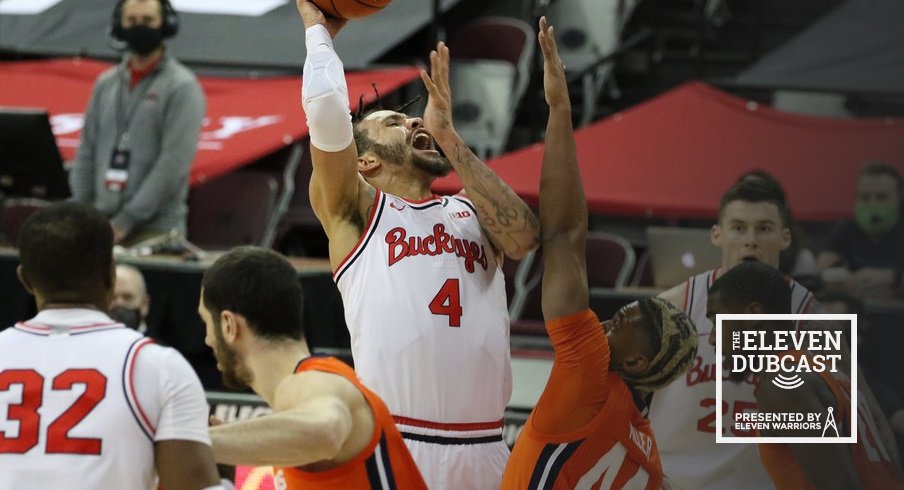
x=350, y=9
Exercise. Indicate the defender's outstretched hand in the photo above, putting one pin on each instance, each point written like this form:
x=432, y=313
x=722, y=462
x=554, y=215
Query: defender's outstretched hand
x=563, y=209
x=554, y=82
x=438, y=114
x=311, y=15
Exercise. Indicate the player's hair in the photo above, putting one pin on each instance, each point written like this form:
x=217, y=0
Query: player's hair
x=754, y=282
x=756, y=190
x=260, y=285
x=66, y=247
x=363, y=142
x=875, y=169
x=762, y=176
x=672, y=336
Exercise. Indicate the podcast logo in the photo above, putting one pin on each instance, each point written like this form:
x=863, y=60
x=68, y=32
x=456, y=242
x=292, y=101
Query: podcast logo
x=786, y=355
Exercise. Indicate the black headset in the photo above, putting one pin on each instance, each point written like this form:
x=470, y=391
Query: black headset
x=169, y=27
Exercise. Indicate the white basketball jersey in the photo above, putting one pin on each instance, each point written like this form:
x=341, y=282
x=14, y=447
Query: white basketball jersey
x=425, y=305
x=71, y=416
x=683, y=414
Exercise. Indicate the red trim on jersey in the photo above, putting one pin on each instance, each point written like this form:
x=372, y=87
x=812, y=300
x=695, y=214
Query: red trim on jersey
x=809, y=300
x=806, y=306
x=79, y=328
x=712, y=277
x=809, y=296
x=367, y=227
x=131, y=381
x=421, y=201
x=463, y=427
x=689, y=285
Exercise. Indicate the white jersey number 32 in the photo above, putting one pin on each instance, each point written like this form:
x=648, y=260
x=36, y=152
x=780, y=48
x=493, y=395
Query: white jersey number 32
x=25, y=413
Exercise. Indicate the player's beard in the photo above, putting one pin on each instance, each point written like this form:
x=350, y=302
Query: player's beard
x=398, y=152
x=236, y=374
x=437, y=166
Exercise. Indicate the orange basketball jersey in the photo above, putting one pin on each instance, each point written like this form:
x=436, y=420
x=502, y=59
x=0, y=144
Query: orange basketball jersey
x=384, y=464
x=871, y=458
x=614, y=450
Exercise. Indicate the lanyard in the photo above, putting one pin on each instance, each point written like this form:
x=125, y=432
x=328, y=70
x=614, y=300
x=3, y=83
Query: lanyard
x=122, y=130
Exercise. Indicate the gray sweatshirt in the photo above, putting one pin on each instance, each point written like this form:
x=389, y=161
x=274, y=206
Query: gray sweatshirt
x=162, y=116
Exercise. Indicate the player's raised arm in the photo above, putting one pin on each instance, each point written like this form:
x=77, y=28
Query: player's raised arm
x=563, y=209
x=509, y=222
x=335, y=183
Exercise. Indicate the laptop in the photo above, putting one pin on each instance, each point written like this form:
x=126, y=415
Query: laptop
x=30, y=162
x=678, y=253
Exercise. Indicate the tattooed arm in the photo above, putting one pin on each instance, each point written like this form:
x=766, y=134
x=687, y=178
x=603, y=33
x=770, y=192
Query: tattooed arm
x=508, y=221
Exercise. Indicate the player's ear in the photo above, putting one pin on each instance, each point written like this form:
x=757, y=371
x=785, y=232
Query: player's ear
x=24, y=281
x=230, y=324
x=786, y=238
x=715, y=235
x=755, y=308
x=368, y=163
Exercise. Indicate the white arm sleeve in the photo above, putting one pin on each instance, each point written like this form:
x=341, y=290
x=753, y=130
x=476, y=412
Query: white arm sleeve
x=324, y=93
x=176, y=402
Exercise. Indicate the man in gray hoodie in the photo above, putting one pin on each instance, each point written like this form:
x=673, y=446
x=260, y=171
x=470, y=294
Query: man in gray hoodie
x=141, y=129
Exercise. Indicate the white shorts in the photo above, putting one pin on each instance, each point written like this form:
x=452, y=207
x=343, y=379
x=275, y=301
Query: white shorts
x=457, y=460
x=460, y=467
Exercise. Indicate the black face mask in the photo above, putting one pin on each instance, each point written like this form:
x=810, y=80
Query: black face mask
x=127, y=316
x=142, y=39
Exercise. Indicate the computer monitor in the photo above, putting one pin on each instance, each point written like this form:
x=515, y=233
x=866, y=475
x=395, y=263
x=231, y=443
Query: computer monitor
x=30, y=162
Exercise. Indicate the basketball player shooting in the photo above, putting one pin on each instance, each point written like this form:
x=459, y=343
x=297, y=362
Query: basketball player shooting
x=586, y=431
x=419, y=274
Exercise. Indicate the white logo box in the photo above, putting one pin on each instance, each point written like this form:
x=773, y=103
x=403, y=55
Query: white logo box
x=852, y=324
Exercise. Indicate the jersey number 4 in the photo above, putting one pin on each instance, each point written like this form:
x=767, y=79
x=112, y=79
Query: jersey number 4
x=26, y=412
x=447, y=302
